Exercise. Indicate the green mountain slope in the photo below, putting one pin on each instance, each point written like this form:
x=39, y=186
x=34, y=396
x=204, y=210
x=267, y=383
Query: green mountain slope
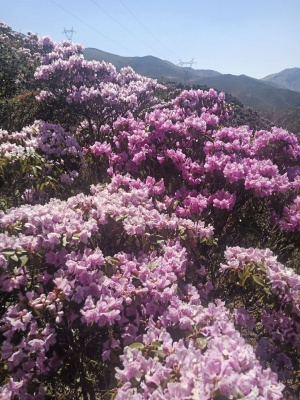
x=150, y=66
x=254, y=93
x=288, y=78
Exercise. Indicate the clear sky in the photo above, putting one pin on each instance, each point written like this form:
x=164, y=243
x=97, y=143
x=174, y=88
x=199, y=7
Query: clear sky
x=251, y=37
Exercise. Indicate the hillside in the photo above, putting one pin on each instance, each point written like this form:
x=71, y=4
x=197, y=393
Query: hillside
x=260, y=95
x=150, y=66
x=254, y=93
x=285, y=118
x=288, y=78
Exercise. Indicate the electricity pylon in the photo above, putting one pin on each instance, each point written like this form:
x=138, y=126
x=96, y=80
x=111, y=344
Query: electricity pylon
x=69, y=33
x=186, y=70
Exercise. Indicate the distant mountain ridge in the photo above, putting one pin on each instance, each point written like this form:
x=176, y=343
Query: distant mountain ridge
x=288, y=78
x=260, y=94
x=253, y=93
x=150, y=66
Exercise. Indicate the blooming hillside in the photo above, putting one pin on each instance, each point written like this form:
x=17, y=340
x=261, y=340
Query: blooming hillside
x=148, y=250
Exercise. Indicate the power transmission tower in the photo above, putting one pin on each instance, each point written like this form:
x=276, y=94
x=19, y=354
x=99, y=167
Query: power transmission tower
x=186, y=70
x=69, y=33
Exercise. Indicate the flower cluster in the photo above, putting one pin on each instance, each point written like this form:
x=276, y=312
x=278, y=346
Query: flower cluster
x=94, y=86
x=43, y=151
x=283, y=282
x=49, y=139
x=215, y=361
x=290, y=220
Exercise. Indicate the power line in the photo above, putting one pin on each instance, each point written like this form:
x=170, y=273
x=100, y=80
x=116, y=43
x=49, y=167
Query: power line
x=90, y=26
x=123, y=26
x=144, y=26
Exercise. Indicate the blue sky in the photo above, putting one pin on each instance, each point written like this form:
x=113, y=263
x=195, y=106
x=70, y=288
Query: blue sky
x=251, y=37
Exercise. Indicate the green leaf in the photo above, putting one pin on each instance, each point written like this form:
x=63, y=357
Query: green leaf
x=156, y=343
x=8, y=252
x=267, y=290
x=246, y=275
x=175, y=204
x=251, y=267
x=109, y=270
x=65, y=241
x=151, y=266
x=121, y=217
x=20, y=252
x=159, y=354
x=157, y=239
x=181, y=230
x=258, y=280
x=114, y=260
x=15, y=257
x=137, y=345
x=262, y=267
x=75, y=236
x=201, y=343
x=50, y=178
x=24, y=260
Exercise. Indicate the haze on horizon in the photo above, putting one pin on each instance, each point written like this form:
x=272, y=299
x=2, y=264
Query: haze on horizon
x=255, y=38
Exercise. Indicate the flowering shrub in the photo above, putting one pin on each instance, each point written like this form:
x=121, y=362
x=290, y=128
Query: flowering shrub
x=94, y=90
x=126, y=293
x=36, y=162
x=148, y=254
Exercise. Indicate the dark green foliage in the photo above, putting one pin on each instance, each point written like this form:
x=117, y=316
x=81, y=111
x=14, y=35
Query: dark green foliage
x=287, y=118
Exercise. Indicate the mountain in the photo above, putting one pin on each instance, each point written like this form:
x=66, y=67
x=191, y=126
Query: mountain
x=150, y=66
x=254, y=93
x=288, y=78
x=261, y=95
